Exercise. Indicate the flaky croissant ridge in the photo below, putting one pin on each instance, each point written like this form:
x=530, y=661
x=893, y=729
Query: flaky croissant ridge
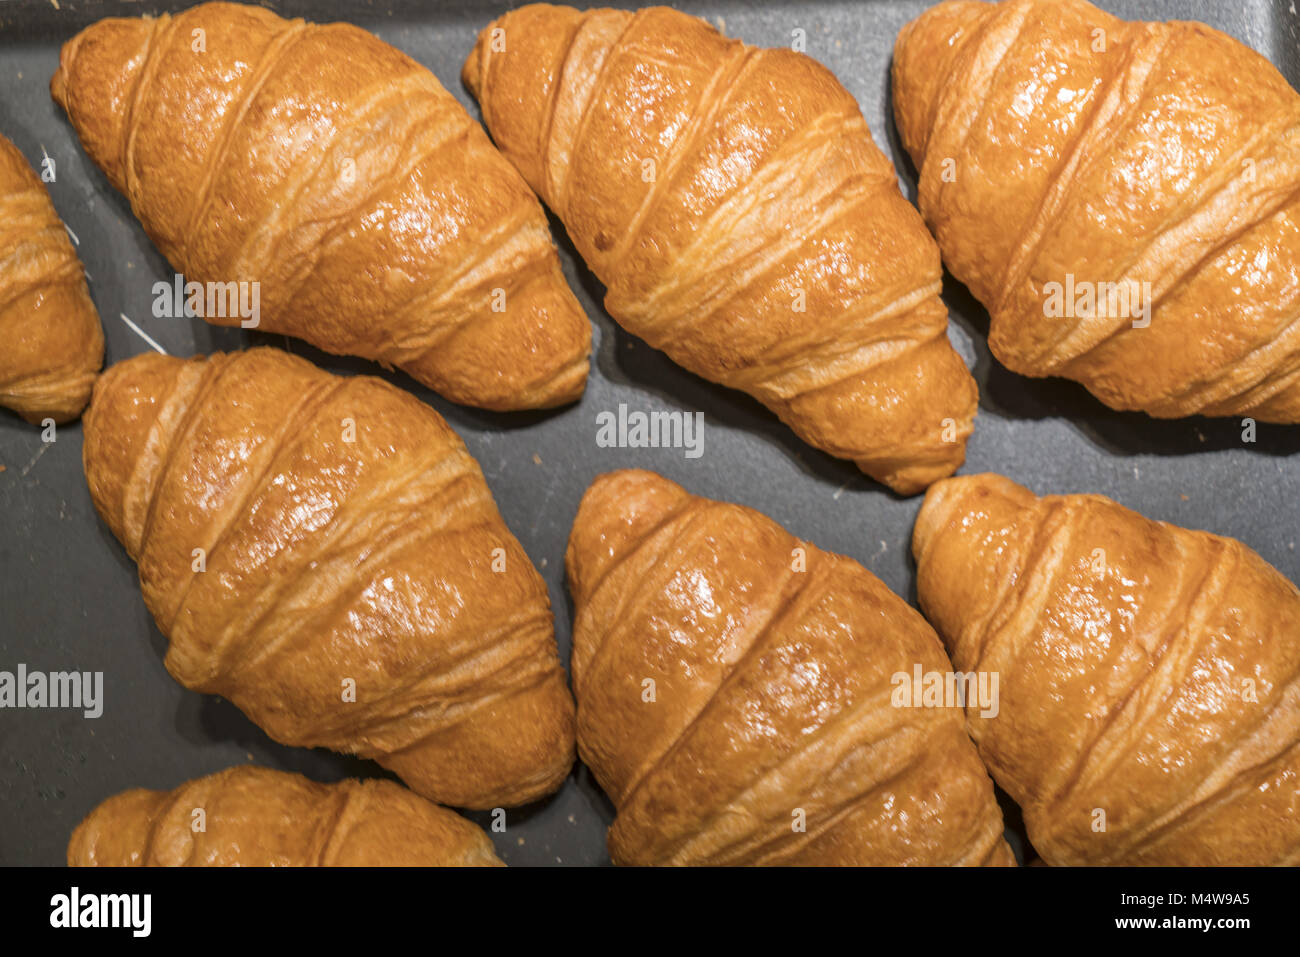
x=256, y=817
x=51, y=344
x=335, y=171
x=732, y=202
x=1149, y=706
x=1123, y=197
x=325, y=553
x=736, y=691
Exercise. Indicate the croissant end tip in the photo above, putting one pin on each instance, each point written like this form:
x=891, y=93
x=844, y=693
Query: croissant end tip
x=59, y=89
x=59, y=81
x=115, y=428
x=617, y=508
x=935, y=507
x=988, y=494
x=942, y=500
x=471, y=74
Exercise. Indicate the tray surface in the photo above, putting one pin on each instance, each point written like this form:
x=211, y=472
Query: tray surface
x=69, y=596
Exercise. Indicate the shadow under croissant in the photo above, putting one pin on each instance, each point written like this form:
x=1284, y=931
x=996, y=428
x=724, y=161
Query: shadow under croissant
x=1014, y=828
x=206, y=718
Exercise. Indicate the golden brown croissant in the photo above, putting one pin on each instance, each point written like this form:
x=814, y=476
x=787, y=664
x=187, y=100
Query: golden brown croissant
x=255, y=817
x=742, y=220
x=1124, y=198
x=1150, y=675
x=734, y=683
x=53, y=345
x=336, y=172
x=324, y=553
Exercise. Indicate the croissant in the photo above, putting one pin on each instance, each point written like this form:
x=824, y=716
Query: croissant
x=255, y=817
x=324, y=553
x=337, y=174
x=53, y=345
x=1150, y=675
x=732, y=202
x=734, y=695
x=1123, y=197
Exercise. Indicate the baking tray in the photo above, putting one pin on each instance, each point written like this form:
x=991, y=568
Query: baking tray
x=69, y=597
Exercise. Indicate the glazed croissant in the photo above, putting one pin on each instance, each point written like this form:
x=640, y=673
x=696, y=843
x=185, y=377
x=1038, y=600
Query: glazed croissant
x=1123, y=197
x=324, y=553
x=255, y=817
x=1150, y=675
x=337, y=173
x=732, y=202
x=53, y=345
x=735, y=692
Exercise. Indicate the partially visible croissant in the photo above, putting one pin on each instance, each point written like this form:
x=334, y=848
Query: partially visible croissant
x=255, y=817
x=1124, y=197
x=53, y=345
x=735, y=692
x=324, y=552
x=734, y=205
x=338, y=173
x=1150, y=675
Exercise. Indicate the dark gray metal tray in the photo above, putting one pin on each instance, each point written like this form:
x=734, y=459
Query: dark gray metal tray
x=69, y=596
